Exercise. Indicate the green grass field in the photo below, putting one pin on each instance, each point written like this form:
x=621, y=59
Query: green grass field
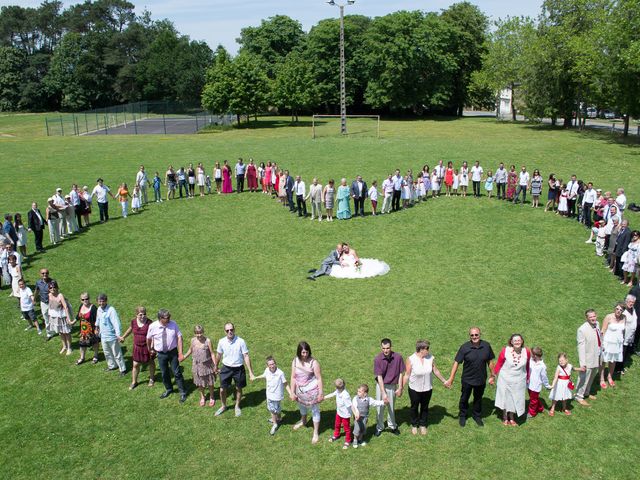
x=454, y=263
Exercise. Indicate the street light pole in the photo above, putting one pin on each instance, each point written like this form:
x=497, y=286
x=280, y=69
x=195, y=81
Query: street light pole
x=343, y=93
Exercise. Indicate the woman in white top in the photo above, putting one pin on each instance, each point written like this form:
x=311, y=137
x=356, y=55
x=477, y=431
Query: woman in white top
x=512, y=368
x=200, y=176
x=419, y=370
x=217, y=176
x=613, y=327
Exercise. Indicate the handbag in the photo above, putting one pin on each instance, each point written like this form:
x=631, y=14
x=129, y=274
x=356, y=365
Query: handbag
x=570, y=385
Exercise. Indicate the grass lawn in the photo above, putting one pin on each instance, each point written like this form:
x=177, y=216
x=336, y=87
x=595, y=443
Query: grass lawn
x=454, y=263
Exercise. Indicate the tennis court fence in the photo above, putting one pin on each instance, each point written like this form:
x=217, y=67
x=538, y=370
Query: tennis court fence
x=147, y=117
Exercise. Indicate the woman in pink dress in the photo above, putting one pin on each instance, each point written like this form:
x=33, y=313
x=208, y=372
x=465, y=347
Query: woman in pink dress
x=226, y=178
x=266, y=183
x=252, y=176
x=306, y=387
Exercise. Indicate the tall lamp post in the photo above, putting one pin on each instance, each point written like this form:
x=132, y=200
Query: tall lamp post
x=343, y=93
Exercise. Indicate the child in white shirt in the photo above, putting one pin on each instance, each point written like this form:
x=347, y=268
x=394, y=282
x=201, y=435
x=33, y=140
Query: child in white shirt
x=360, y=406
x=343, y=413
x=456, y=182
x=27, y=306
x=537, y=379
x=276, y=383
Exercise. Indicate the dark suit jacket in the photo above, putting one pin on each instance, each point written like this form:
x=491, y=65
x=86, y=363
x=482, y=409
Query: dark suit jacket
x=354, y=190
x=288, y=186
x=622, y=242
x=33, y=222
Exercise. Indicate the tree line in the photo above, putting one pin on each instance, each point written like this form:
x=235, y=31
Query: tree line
x=95, y=54
x=575, y=54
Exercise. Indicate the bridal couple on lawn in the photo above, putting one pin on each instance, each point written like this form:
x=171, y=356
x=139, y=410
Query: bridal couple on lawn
x=343, y=262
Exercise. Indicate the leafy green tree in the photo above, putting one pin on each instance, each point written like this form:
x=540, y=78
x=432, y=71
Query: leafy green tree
x=322, y=49
x=295, y=86
x=216, y=94
x=12, y=63
x=272, y=40
x=251, y=87
x=470, y=28
x=409, y=65
x=503, y=62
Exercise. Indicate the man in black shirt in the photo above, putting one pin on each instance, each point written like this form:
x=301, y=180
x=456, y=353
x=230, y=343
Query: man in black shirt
x=474, y=356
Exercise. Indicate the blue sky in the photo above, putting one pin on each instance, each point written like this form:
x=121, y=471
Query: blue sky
x=219, y=21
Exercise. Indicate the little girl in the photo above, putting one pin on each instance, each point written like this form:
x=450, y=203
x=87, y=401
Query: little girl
x=562, y=385
x=488, y=184
x=406, y=192
x=456, y=182
x=343, y=413
x=207, y=183
x=421, y=189
x=202, y=369
x=123, y=198
x=135, y=202
x=414, y=192
x=22, y=235
x=435, y=184
x=563, y=208
x=373, y=196
x=157, y=182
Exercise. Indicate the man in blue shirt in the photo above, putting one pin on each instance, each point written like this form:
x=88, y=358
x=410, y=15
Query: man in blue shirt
x=8, y=229
x=108, y=327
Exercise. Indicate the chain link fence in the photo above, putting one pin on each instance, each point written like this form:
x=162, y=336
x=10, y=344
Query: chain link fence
x=138, y=118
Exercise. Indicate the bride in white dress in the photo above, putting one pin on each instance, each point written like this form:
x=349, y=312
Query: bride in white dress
x=352, y=266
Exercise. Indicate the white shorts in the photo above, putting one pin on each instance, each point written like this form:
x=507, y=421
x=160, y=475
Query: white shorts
x=315, y=411
x=274, y=406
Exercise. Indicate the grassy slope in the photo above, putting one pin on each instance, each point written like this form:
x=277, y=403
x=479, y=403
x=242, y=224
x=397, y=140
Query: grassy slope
x=454, y=263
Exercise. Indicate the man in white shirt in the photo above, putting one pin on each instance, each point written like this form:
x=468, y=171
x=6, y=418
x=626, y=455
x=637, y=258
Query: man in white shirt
x=588, y=200
x=387, y=190
x=143, y=182
x=523, y=183
x=397, y=191
x=572, y=190
x=240, y=168
x=501, y=181
x=300, y=191
x=235, y=355
x=61, y=206
x=476, y=178
x=74, y=196
x=100, y=191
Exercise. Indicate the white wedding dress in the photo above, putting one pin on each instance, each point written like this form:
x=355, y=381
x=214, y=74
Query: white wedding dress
x=370, y=268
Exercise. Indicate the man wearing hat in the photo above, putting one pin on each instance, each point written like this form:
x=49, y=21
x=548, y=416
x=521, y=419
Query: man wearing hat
x=100, y=191
x=588, y=200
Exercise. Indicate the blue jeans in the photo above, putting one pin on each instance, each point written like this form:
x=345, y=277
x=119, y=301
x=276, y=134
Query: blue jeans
x=156, y=194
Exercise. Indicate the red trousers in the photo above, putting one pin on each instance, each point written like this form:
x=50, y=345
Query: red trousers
x=344, y=423
x=535, y=406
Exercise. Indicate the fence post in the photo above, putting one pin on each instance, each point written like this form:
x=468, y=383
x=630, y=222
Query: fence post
x=46, y=122
x=125, y=117
x=73, y=120
x=135, y=125
x=613, y=127
x=164, y=123
x=97, y=122
x=106, y=123
x=196, y=122
x=76, y=125
x=61, y=126
x=86, y=123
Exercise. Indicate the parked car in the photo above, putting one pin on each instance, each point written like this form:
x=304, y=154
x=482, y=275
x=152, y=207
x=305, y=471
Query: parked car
x=592, y=112
x=608, y=114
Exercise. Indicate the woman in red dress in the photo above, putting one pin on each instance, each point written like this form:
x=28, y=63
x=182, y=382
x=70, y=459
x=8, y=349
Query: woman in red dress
x=448, y=178
x=512, y=180
x=226, y=178
x=252, y=176
x=266, y=182
x=141, y=355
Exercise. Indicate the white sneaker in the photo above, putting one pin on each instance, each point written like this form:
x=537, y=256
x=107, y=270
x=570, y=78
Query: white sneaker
x=238, y=412
x=274, y=429
x=29, y=327
x=355, y=444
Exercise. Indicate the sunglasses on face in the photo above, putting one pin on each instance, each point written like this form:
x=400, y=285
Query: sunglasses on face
x=229, y=330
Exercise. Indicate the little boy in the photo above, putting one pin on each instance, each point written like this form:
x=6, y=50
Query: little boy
x=157, y=181
x=276, y=383
x=360, y=406
x=26, y=306
x=537, y=379
x=343, y=413
x=207, y=183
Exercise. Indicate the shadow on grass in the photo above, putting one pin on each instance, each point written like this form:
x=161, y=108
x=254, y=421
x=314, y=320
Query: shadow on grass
x=602, y=134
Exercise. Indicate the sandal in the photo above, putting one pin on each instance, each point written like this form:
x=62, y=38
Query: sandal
x=298, y=425
x=80, y=361
x=567, y=412
x=603, y=385
x=151, y=383
x=552, y=413
x=202, y=402
x=95, y=360
x=212, y=402
x=505, y=422
x=132, y=386
x=513, y=423
x=612, y=383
